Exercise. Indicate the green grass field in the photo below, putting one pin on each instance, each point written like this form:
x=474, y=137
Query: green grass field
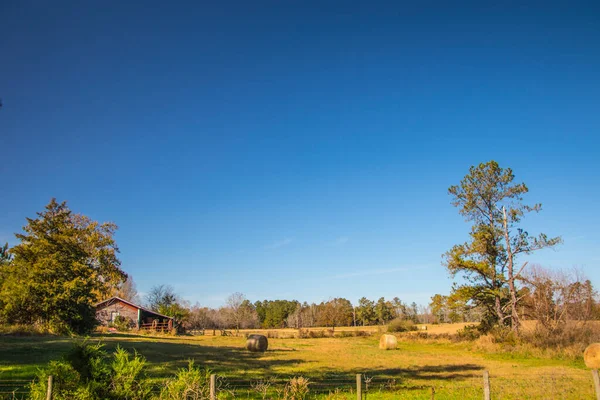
x=453, y=370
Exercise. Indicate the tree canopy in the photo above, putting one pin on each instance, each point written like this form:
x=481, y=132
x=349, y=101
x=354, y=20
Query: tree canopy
x=488, y=197
x=62, y=265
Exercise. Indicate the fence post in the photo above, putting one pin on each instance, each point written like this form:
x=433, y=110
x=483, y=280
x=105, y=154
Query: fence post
x=486, y=385
x=213, y=387
x=49, y=391
x=358, y=387
x=596, y=383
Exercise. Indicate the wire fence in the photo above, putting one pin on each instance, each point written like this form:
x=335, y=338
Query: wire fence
x=14, y=388
x=363, y=386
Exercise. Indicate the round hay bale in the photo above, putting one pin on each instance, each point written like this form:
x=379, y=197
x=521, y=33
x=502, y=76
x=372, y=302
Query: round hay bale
x=388, y=342
x=257, y=343
x=591, y=356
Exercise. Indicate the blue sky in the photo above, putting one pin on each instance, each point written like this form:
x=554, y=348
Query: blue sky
x=298, y=150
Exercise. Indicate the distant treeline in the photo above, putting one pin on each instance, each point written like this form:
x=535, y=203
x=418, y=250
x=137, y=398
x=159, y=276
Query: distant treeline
x=241, y=313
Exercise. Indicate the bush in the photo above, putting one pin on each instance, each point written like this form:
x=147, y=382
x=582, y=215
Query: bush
x=316, y=334
x=128, y=376
x=572, y=333
x=469, y=332
x=85, y=373
x=24, y=330
x=121, y=323
x=401, y=325
x=191, y=383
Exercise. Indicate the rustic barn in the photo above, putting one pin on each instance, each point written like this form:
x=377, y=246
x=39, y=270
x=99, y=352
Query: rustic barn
x=138, y=317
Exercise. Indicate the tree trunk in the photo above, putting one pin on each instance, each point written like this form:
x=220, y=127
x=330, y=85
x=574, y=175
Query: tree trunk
x=499, y=312
x=514, y=315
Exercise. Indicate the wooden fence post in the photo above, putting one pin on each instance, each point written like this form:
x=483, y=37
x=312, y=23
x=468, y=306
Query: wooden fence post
x=358, y=387
x=596, y=383
x=213, y=387
x=486, y=385
x=49, y=391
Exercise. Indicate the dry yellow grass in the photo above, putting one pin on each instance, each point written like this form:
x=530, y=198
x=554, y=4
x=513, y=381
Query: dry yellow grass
x=373, y=329
x=453, y=369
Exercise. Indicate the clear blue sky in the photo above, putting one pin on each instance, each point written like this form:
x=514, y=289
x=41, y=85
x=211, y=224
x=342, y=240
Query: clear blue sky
x=294, y=149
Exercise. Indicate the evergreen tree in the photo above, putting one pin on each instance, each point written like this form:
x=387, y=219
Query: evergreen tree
x=489, y=199
x=62, y=265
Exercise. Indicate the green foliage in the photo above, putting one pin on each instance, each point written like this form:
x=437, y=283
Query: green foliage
x=274, y=313
x=439, y=307
x=469, y=332
x=335, y=312
x=401, y=325
x=489, y=199
x=365, y=311
x=63, y=263
x=163, y=300
x=383, y=311
x=66, y=383
x=121, y=323
x=128, y=376
x=81, y=375
x=86, y=373
x=191, y=383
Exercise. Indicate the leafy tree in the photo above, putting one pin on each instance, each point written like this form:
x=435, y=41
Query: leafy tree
x=383, y=311
x=162, y=299
x=274, y=313
x=336, y=312
x=439, y=307
x=398, y=308
x=489, y=199
x=365, y=311
x=62, y=265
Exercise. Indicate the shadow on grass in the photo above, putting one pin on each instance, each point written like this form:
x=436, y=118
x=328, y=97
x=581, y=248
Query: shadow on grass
x=444, y=372
x=23, y=356
x=165, y=355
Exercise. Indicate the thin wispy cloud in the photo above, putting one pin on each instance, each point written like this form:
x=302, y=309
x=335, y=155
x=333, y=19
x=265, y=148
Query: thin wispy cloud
x=279, y=244
x=370, y=272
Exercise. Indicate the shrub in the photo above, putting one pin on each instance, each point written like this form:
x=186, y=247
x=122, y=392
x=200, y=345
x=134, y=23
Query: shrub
x=303, y=333
x=191, y=383
x=85, y=373
x=24, y=330
x=316, y=334
x=66, y=384
x=121, y=323
x=571, y=334
x=469, y=332
x=80, y=375
x=401, y=325
x=128, y=376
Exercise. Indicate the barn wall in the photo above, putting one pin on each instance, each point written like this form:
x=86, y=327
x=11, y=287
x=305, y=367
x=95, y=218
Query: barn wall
x=131, y=313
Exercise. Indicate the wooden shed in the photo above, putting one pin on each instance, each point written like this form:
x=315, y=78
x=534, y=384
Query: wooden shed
x=137, y=316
